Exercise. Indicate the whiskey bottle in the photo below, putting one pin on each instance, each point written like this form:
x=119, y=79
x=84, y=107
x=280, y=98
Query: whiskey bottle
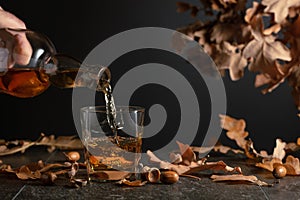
x=39, y=65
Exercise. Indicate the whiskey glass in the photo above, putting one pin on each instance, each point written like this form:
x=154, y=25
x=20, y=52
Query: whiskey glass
x=104, y=152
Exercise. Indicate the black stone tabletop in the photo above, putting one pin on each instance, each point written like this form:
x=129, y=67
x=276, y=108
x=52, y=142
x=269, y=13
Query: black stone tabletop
x=186, y=188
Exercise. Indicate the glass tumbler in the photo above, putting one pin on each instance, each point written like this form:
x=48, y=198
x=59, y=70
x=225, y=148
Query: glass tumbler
x=107, y=150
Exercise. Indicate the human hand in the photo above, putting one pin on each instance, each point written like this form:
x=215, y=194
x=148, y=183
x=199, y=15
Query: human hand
x=14, y=47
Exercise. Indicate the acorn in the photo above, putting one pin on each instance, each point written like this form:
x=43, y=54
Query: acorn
x=279, y=171
x=73, y=156
x=153, y=175
x=169, y=177
x=48, y=178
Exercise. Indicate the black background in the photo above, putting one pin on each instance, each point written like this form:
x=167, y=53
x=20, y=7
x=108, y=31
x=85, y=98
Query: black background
x=76, y=28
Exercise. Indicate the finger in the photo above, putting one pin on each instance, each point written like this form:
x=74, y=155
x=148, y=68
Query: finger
x=9, y=20
x=22, y=50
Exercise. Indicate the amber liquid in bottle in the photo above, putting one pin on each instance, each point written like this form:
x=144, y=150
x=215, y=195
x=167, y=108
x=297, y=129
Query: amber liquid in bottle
x=30, y=83
x=24, y=83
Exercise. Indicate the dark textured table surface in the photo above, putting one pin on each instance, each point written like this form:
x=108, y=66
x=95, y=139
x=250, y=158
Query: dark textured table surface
x=185, y=188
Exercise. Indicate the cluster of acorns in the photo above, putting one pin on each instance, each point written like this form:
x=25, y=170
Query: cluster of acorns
x=154, y=175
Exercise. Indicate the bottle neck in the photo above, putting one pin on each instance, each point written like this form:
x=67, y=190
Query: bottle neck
x=94, y=77
x=67, y=72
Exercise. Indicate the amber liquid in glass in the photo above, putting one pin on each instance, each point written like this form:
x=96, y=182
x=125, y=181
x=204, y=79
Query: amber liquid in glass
x=104, y=154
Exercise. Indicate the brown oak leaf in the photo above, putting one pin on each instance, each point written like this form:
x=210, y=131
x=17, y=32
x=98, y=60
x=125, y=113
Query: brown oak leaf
x=235, y=129
x=277, y=157
x=61, y=142
x=236, y=32
x=269, y=164
x=225, y=149
x=294, y=11
x=111, y=175
x=187, y=153
x=216, y=166
x=279, y=151
x=184, y=7
x=280, y=8
x=136, y=183
x=237, y=62
x=292, y=165
x=261, y=79
x=251, y=153
x=194, y=167
x=292, y=146
x=250, y=12
x=25, y=173
x=239, y=177
x=265, y=51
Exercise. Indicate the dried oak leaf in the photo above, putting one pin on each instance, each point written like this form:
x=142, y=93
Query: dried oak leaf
x=261, y=79
x=225, y=3
x=201, y=36
x=136, y=183
x=236, y=61
x=269, y=164
x=3, y=148
x=184, y=7
x=239, y=177
x=6, y=168
x=265, y=51
x=201, y=150
x=292, y=146
x=215, y=166
x=236, y=32
x=21, y=146
x=294, y=11
x=193, y=167
x=272, y=29
x=279, y=151
x=277, y=156
x=187, y=153
x=175, y=158
x=235, y=129
x=292, y=165
x=280, y=8
x=230, y=124
x=251, y=153
x=111, y=175
x=225, y=149
x=33, y=170
x=25, y=173
x=61, y=142
x=250, y=12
